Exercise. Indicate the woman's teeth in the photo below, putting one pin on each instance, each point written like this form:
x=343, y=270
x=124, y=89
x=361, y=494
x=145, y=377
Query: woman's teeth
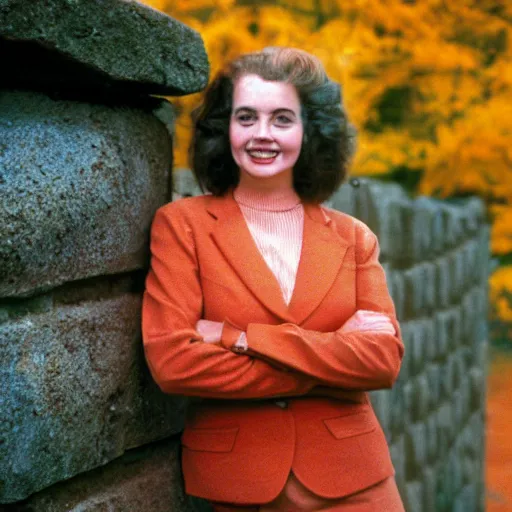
x=263, y=154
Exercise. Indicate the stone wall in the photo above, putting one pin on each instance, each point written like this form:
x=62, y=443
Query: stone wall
x=436, y=257
x=85, y=159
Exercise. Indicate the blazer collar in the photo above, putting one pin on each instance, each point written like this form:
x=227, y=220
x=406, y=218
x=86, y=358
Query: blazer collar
x=321, y=257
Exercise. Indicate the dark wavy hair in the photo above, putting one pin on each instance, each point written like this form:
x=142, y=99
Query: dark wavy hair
x=328, y=139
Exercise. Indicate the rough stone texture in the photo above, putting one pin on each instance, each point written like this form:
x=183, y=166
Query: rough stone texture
x=75, y=390
x=79, y=186
x=97, y=45
x=146, y=479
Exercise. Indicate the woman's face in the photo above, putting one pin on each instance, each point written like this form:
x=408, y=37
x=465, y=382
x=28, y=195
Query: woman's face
x=265, y=130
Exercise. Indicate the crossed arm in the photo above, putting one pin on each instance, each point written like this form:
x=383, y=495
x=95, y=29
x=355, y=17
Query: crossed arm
x=318, y=354
x=187, y=355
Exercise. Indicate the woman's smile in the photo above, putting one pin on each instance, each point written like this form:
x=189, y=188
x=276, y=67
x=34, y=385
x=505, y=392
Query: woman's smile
x=262, y=156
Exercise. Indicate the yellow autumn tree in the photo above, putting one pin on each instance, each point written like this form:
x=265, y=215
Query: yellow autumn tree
x=427, y=83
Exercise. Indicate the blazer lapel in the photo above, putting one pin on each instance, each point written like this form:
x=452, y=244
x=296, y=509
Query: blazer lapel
x=323, y=251
x=234, y=240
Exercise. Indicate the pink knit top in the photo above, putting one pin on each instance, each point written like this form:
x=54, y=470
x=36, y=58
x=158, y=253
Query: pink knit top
x=275, y=220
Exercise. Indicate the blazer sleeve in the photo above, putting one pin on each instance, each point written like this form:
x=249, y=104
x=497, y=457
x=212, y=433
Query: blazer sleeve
x=179, y=361
x=356, y=360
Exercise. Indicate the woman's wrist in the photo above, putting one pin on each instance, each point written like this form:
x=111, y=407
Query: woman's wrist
x=241, y=344
x=233, y=338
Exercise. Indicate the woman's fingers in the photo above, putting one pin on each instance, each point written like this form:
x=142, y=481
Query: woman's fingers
x=364, y=320
x=210, y=331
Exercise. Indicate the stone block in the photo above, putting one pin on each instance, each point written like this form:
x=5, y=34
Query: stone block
x=397, y=451
x=481, y=350
x=468, y=320
x=75, y=392
x=371, y=200
x=460, y=369
x=408, y=399
x=343, y=200
x=467, y=500
x=473, y=215
x=445, y=494
x=414, y=497
x=432, y=434
x=399, y=413
x=429, y=488
x=455, y=469
x=455, y=326
x=445, y=426
x=421, y=402
x=407, y=335
x=438, y=234
x=390, y=226
x=453, y=225
x=448, y=329
x=418, y=230
x=429, y=288
x=477, y=428
x=470, y=473
x=144, y=479
x=483, y=238
x=415, y=449
x=414, y=292
x=434, y=376
x=477, y=388
x=470, y=252
x=448, y=377
x=184, y=184
x=458, y=409
x=442, y=334
x=456, y=264
x=82, y=183
x=417, y=347
x=429, y=339
x=111, y=44
x=480, y=301
x=465, y=396
x=396, y=285
x=381, y=402
x=443, y=282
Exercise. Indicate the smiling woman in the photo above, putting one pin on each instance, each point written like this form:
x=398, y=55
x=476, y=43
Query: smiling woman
x=327, y=137
x=269, y=306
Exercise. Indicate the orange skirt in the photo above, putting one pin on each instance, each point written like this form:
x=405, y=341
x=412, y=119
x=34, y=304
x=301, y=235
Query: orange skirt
x=382, y=496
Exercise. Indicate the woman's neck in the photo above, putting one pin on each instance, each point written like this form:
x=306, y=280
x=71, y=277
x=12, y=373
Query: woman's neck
x=263, y=198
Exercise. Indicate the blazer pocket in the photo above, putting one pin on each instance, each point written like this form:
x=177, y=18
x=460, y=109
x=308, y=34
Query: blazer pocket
x=210, y=439
x=351, y=425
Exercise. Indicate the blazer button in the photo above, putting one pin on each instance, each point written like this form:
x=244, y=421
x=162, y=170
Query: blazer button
x=281, y=403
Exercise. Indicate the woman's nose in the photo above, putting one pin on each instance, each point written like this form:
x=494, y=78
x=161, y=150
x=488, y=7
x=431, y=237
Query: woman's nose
x=262, y=131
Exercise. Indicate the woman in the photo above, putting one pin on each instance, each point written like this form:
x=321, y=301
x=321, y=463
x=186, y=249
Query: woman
x=270, y=307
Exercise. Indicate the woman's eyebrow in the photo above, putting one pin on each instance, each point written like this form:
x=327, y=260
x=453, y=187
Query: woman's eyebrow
x=247, y=109
x=254, y=111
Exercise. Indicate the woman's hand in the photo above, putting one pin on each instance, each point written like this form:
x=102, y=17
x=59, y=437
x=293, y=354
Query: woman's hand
x=210, y=331
x=363, y=320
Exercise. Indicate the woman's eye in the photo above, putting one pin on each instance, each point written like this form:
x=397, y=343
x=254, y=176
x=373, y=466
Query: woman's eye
x=283, y=120
x=245, y=118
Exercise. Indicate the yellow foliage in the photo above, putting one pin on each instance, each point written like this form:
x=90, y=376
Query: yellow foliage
x=451, y=61
x=376, y=154
x=500, y=290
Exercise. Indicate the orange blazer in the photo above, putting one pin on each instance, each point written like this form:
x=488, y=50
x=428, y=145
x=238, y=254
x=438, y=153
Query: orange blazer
x=297, y=400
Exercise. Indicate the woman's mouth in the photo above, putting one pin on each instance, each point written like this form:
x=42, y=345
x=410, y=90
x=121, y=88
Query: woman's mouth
x=261, y=154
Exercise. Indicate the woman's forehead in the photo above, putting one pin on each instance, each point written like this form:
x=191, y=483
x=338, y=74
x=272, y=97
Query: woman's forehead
x=254, y=92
